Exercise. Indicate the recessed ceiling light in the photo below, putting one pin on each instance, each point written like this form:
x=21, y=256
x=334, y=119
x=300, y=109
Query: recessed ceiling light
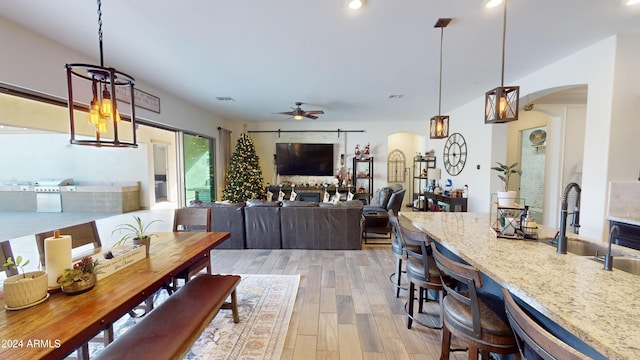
x=356, y=4
x=225, y=98
x=395, y=96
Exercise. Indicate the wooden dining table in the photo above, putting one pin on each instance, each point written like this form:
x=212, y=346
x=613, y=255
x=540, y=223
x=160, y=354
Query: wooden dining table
x=62, y=323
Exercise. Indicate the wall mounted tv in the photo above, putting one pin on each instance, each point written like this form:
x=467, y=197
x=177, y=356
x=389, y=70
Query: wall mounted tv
x=304, y=159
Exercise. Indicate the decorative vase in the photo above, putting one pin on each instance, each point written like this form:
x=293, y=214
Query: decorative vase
x=21, y=291
x=87, y=282
x=506, y=198
x=145, y=241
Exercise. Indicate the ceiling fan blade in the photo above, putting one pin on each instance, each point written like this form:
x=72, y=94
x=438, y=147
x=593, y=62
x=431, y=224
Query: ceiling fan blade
x=307, y=115
x=314, y=112
x=285, y=113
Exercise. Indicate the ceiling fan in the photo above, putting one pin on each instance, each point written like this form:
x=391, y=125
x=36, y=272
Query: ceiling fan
x=299, y=114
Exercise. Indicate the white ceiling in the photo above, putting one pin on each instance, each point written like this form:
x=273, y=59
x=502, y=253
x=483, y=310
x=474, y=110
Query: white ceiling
x=269, y=54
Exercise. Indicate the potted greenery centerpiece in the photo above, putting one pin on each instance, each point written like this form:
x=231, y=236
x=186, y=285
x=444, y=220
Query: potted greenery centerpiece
x=26, y=289
x=137, y=232
x=506, y=197
x=79, y=279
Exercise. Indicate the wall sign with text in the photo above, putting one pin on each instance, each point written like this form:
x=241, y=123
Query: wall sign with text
x=143, y=99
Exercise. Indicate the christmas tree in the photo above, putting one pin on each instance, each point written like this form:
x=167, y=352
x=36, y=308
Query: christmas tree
x=243, y=180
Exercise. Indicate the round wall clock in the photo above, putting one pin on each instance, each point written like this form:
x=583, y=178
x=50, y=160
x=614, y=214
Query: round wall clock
x=455, y=154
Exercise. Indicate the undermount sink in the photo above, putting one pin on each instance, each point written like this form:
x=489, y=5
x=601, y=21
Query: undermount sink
x=583, y=248
x=626, y=264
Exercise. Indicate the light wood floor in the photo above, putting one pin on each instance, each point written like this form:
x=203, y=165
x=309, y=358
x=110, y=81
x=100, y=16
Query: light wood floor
x=345, y=308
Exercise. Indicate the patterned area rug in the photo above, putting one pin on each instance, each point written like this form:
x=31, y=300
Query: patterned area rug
x=265, y=304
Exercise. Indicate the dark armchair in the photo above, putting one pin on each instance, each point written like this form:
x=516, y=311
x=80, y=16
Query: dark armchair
x=377, y=217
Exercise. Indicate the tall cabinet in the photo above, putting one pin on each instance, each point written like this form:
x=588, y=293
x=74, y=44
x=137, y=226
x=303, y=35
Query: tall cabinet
x=420, y=180
x=363, y=178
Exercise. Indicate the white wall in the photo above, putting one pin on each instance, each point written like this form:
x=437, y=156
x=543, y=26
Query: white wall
x=624, y=146
x=409, y=144
x=593, y=66
x=483, y=141
x=375, y=133
x=33, y=62
x=608, y=68
x=38, y=156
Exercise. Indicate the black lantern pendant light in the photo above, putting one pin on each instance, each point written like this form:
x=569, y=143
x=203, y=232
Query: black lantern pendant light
x=502, y=103
x=100, y=84
x=439, y=124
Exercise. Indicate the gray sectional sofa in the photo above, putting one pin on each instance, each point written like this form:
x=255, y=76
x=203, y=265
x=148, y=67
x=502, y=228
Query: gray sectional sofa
x=227, y=217
x=260, y=224
x=309, y=225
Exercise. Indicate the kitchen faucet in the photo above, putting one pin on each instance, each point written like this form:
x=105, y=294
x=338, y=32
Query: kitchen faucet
x=562, y=234
x=608, y=260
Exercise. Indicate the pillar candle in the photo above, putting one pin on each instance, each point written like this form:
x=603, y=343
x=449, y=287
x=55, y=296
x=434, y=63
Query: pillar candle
x=57, y=255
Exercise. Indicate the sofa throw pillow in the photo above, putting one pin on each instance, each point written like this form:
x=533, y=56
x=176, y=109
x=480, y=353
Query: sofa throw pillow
x=381, y=197
x=375, y=199
x=290, y=203
x=261, y=203
x=395, y=187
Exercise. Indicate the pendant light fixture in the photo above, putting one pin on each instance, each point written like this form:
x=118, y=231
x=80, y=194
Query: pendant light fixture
x=502, y=103
x=100, y=84
x=439, y=124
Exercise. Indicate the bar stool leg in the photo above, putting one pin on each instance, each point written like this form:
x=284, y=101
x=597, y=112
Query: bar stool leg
x=446, y=344
x=473, y=353
x=412, y=289
x=398, y=276
x=421, y=298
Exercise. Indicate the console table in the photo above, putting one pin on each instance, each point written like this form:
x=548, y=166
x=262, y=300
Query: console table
x=456, y=204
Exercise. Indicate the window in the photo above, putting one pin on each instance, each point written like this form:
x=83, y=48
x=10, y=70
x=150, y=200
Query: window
x=396, y=163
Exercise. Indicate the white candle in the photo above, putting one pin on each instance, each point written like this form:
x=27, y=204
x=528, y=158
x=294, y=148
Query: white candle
x=57, y=255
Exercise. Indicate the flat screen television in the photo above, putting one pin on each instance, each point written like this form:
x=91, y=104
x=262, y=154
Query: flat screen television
x=304, y=159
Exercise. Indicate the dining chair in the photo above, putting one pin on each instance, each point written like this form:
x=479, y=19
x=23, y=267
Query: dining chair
x=474, y=318
x=81, y=235
x=543, y=344
x=192, y=219
x=423, y=275
x=5, y=253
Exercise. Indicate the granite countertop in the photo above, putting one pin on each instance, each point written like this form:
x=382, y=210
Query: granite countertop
x=632, y=219
x=602, y=308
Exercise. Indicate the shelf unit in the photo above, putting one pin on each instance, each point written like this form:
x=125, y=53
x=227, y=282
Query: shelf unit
x=363, y=178
x=505, y=220
x=420, y=180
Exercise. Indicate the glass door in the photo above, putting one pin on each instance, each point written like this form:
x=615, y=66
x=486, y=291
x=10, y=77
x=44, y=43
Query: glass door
x=199, y=168
x=532, y=164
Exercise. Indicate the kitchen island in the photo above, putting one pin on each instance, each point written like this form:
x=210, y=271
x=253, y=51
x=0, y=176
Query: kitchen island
x=601, y=308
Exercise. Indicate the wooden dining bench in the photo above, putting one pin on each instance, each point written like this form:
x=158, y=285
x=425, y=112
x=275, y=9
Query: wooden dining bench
x=169, y=331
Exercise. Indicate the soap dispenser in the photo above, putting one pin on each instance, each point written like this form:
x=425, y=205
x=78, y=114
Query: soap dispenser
x=530, y=225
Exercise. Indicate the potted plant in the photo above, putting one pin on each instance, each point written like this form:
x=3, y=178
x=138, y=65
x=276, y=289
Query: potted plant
x=137, y=232
x=506, y=197
x=80, y=278
x=26, y=289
